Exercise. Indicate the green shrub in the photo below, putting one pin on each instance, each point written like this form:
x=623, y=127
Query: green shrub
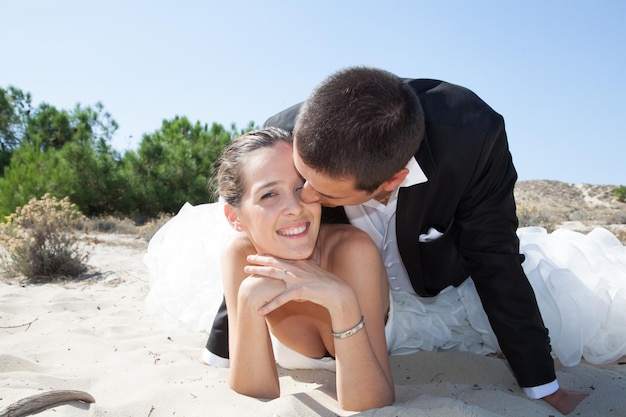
x=38, y=241
x=173, y=165
x=620, y=193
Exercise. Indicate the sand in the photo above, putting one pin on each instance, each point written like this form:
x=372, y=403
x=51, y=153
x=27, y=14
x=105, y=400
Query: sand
x=94, y=335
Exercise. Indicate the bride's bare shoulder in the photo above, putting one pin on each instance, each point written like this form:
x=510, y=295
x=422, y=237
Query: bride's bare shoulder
x=239, y=246
x=344, y=239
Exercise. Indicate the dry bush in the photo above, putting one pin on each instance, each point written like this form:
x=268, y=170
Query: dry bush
x=38, y=241
x=620, y=234
x=110, y=224
x=140, y=226
x=148, y=229
x=529, y=215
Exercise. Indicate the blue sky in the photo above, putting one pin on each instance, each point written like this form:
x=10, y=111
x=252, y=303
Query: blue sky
x=556, y=70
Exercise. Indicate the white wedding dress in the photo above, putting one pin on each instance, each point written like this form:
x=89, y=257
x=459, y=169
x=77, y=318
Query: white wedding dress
x=579, y=281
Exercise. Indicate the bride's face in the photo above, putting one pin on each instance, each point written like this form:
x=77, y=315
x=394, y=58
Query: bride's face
x=271, y=212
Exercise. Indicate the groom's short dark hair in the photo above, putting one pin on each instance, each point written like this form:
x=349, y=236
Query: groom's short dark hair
x=362, y=124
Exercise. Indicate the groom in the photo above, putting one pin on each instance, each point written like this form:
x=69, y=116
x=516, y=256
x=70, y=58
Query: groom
x=423, y=167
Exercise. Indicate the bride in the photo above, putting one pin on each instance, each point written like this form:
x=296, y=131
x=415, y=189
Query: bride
x=316, y=294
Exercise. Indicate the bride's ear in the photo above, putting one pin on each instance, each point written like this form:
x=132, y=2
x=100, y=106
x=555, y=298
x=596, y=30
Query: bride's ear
x=233, y=218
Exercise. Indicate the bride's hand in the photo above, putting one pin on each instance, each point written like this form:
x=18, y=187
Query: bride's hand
x=304, y=281
x=256, y=291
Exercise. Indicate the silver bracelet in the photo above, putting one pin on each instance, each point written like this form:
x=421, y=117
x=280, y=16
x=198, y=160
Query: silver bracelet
x=351, y=331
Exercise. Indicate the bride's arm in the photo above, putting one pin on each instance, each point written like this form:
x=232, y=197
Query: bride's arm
x=252, y=366
x=364, y=379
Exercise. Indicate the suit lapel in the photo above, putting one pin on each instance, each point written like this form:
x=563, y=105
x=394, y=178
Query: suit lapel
x=410, y=217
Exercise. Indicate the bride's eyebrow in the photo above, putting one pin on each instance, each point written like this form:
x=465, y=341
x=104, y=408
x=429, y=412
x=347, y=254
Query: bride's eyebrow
x=268, y=184
x=264, y=186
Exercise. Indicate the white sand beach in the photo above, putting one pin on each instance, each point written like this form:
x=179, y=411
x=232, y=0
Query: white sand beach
x=95, y=336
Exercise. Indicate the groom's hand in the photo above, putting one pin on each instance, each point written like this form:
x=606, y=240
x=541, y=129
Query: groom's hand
x=565, y=401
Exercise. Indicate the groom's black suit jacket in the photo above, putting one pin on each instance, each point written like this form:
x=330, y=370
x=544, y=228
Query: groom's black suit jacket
x=468, y=197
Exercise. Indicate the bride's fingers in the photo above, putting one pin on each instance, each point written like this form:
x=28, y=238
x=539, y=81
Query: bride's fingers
x=267, y=271
x=278, y=301
x=266, y=260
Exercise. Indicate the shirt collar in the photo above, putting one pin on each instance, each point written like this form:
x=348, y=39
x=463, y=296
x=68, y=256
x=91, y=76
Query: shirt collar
x=416, y=174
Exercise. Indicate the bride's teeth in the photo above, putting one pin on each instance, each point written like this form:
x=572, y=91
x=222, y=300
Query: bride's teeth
x=293, y=231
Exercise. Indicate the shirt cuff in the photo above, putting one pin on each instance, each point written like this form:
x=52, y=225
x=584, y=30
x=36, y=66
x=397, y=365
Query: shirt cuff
x=212, y=359
x=541, y=391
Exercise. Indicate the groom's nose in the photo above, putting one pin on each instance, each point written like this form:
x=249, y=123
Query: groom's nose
x=309, y=194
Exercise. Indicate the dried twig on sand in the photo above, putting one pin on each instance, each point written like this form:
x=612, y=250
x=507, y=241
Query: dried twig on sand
x=38, y=402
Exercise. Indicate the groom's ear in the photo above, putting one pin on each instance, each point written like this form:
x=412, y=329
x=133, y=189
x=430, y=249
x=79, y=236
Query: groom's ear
x=233, y=218
x=395, y=181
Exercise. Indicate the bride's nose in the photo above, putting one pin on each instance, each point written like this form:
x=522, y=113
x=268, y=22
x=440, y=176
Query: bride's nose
x=293, y=205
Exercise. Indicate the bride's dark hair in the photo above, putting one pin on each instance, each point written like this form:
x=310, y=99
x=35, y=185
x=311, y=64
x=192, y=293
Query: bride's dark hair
x=230, y=178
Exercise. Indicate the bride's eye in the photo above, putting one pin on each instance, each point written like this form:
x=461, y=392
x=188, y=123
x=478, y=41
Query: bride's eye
x=267, y=195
